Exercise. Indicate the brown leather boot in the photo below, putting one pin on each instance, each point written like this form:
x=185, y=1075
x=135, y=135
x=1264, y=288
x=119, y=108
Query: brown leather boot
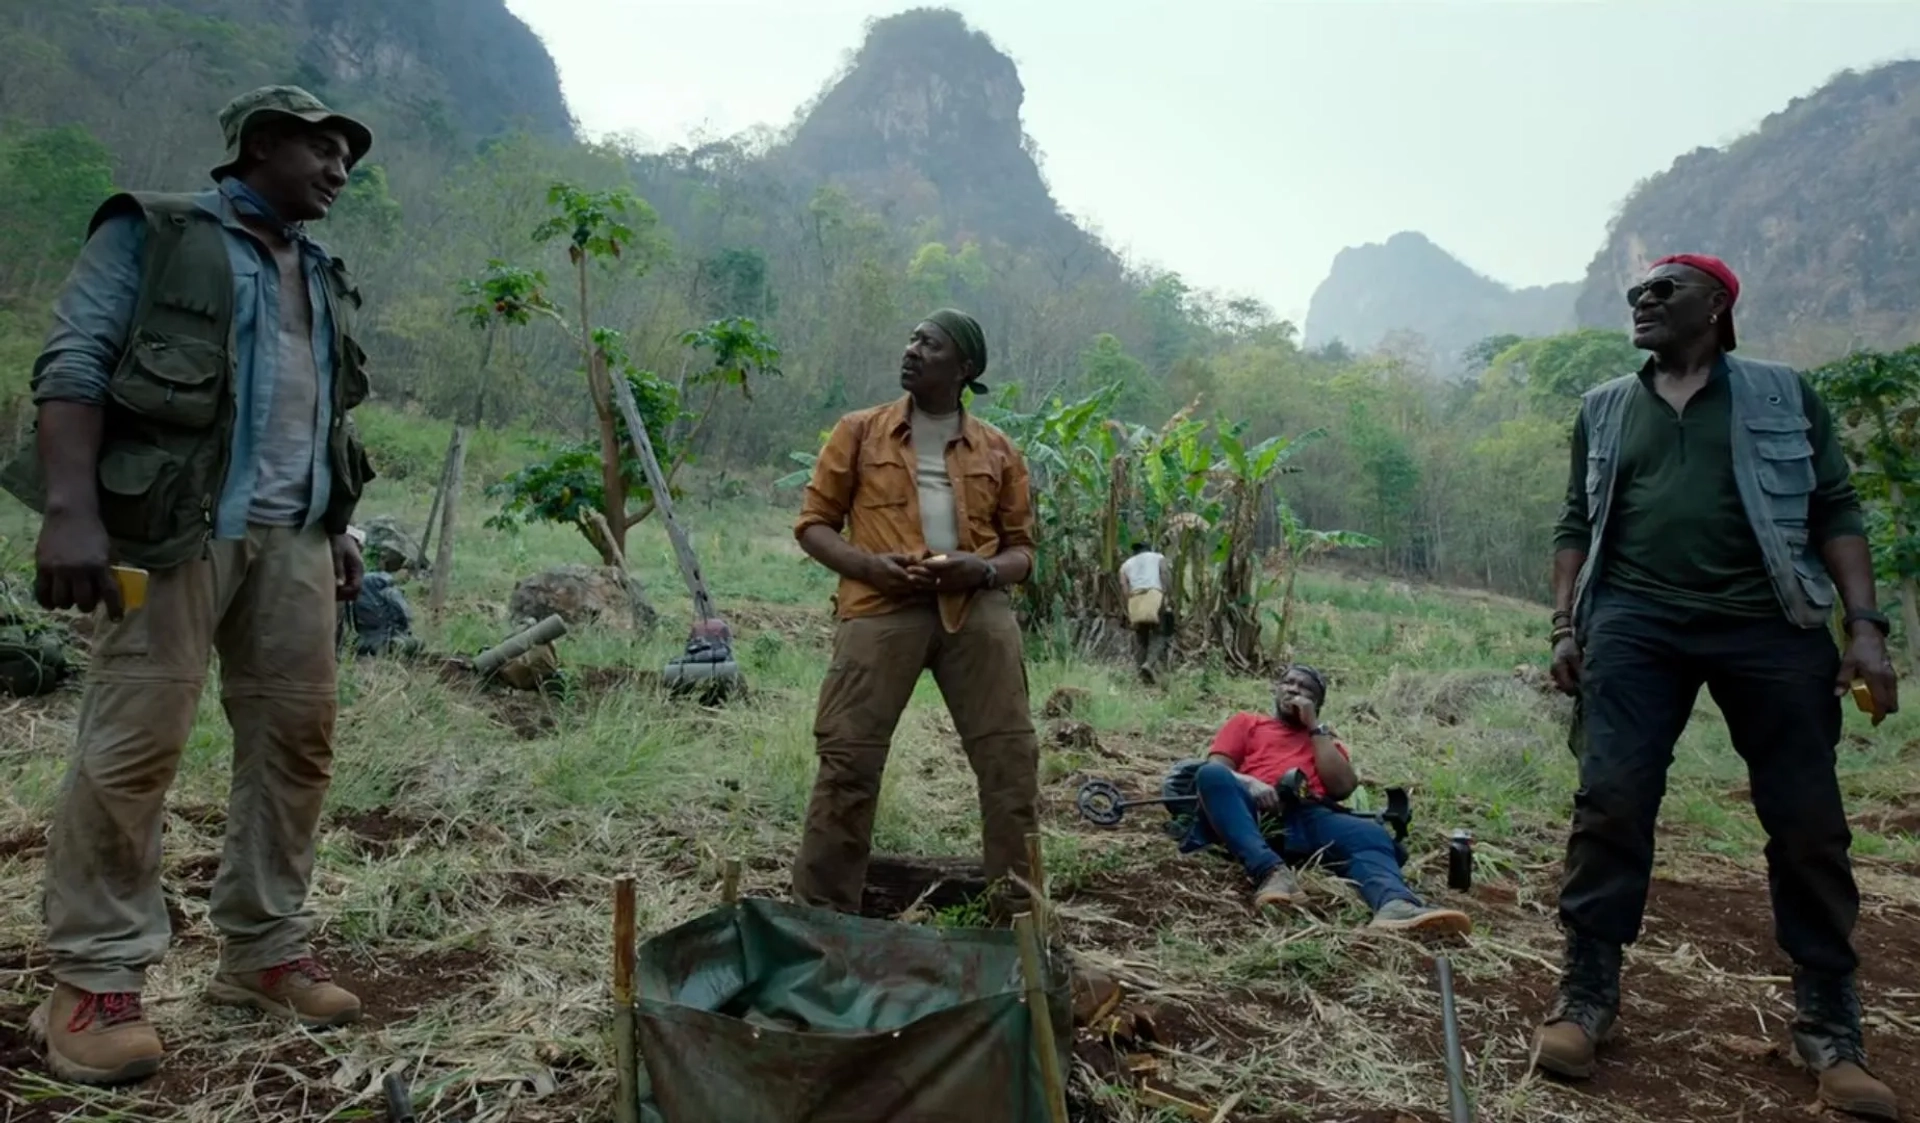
x=1826, y=1034
x=1582, y=1018
x=301, y=989
x=96, y=1038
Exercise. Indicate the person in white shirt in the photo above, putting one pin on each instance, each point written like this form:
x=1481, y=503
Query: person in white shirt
x=1145, y=580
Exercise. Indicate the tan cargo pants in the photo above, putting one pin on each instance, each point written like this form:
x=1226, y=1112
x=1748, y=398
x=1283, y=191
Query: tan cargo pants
x=267, y=605
x=877, y=661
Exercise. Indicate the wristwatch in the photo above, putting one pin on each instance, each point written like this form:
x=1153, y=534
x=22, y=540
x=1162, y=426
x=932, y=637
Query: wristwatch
x=993, y=577
x=1322, y=730
x=1877, y=619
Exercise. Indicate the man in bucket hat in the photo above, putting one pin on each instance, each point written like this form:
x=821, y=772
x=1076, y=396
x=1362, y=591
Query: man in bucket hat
x=1710, y=535
x=192, y=422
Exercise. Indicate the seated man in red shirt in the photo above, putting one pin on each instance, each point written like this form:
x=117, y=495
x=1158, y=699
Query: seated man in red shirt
x=1240, y=781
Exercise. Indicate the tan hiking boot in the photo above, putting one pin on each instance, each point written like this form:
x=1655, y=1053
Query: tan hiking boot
x=1826, y=1035
x=1567, y=1042
x=1277, y=890
x=96, y=1038
x=1854, y=1090
x=1405, y=916
x=1567, y=1047
x=302, y=990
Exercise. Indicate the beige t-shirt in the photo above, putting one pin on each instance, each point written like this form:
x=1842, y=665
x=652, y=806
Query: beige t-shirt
x=939, y=518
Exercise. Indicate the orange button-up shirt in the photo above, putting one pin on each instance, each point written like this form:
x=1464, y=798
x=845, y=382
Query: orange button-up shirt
x=867, y=483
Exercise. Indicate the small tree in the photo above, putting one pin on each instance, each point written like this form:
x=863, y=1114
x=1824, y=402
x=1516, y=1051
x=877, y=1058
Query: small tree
x=597, y=227
x=1876, y=398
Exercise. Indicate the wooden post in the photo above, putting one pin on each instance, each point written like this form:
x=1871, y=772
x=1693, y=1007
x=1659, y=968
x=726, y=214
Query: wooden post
x=443, y=557
x=730, y=882
x=1037, y=880
x=433, y=512
x=493, y=658
x=1042, y=1017
x=626, y=1104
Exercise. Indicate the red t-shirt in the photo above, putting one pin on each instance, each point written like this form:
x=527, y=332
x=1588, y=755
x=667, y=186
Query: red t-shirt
x=1267, y=748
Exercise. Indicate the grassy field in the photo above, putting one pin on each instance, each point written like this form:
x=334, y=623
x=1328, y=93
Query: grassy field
x=471, y=837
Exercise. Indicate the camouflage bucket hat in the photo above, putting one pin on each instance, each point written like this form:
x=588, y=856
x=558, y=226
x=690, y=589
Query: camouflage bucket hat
x=243, y=112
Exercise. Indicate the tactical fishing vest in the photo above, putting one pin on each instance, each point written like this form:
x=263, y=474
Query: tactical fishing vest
x=1772, y=464
x=170, y=407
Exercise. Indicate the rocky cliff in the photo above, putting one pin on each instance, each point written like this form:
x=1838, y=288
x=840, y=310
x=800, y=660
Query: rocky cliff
x=147, y=77
x=1818, y=210
x=1409, y=285
x=925, y=123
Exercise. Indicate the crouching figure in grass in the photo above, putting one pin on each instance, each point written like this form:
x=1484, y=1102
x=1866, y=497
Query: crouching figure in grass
x=1242, y=782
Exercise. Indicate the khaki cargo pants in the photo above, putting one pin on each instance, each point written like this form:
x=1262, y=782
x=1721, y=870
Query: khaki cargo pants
x=266, y=603
x=877, y=661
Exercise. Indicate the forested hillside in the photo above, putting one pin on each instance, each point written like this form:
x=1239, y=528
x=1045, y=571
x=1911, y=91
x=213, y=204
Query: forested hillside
x=1817, y=209
x=908, y=183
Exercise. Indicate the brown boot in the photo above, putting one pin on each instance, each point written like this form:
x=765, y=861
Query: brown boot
x=302, y=990
x=96, y=1038
x=1582, y=1017
x=1826, y=1034
x=1277, y=890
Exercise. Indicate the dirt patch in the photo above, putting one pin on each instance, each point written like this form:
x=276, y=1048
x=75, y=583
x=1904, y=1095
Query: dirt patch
x=25, y=843
x=896, y=883
x=1732, y=926
x=394, y=988
x=529, y=716
x=198, y=873
x=284, y=1082
x=381, y=831
x=1891, y=822
x=522, y=887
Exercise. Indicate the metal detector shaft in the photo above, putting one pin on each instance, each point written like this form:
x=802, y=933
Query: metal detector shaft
x=1456, y=1064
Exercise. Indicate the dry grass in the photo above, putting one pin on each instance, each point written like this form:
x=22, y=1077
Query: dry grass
x=470, y=841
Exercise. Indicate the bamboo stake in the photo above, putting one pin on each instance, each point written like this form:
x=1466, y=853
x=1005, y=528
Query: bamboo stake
x=1037, y=883
x=626, y=1104
x=730, y=882
x=1041, y=1014
x=443, y=558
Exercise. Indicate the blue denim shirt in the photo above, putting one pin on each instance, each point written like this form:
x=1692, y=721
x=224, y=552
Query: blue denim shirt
x=95, y=309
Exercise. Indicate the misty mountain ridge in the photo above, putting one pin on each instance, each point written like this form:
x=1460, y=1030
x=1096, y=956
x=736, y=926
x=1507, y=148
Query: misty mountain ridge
x=1409, y=285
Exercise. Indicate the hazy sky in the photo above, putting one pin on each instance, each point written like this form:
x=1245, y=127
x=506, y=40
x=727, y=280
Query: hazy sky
x=1244, y=143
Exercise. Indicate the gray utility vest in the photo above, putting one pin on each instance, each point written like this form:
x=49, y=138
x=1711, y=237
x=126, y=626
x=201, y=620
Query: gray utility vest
x=1772, y=462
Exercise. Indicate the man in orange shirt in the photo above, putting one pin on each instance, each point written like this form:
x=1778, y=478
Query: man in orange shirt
x=1241, y=779
x=938, y=524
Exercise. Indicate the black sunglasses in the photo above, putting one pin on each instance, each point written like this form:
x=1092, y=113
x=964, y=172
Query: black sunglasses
x=1662, y=289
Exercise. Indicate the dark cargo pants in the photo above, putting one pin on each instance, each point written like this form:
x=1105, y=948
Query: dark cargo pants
x=877, y=661
x=1644, y=666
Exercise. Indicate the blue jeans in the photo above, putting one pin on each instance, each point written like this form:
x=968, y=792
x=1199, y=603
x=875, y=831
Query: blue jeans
x=1354, y=848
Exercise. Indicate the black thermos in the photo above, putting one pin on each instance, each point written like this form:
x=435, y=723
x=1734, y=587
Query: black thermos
x=1460, y=861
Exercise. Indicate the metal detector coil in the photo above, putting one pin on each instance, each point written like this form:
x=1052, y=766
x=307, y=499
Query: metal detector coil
x=1101, y=803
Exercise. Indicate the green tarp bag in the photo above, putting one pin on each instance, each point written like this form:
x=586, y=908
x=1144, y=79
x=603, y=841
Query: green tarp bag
x=769, y=1012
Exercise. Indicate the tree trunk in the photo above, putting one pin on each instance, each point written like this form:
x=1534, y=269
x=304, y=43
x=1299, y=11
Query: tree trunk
x=613, y=486
x=443, y=557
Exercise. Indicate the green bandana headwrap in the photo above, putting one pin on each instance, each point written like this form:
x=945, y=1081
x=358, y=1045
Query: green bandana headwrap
x=967, y=337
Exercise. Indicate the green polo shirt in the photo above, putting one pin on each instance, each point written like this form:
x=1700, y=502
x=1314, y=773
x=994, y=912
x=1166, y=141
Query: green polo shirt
x=1679, y=532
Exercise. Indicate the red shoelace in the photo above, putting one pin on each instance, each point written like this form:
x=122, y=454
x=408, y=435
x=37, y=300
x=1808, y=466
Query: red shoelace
x=108, y=1010
x=308, y=967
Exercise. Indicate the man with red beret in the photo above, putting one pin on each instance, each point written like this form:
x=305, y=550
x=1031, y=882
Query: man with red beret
x=1710, y=528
